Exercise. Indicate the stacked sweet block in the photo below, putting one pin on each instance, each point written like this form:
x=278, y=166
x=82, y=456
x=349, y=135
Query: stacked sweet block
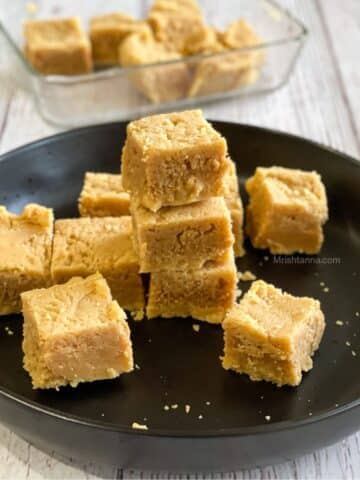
x=177, y=170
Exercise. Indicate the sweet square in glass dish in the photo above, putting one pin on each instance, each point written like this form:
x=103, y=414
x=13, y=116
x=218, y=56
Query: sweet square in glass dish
x=57, y=47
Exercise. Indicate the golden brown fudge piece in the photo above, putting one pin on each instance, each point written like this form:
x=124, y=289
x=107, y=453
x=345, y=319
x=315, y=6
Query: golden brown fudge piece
x=176, y=27
x=271, y=335
x=83, y=246
x=240, y=34
x=235, y=206
x=207, y=41
x=103, y=195
x=25, y=252
x=183, y=237
x=231, y=70
x=222, y=73
x=57, y=47
x=205, y=294
x=106, y=34
x=74, y=333
x=176, y=6
x=173, y=159
x=159, y=83
x=286, y=211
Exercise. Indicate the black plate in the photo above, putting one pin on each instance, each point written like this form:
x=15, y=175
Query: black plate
x=243, y=423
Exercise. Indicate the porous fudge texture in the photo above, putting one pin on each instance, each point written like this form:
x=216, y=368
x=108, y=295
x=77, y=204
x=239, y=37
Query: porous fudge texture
x=205, y=294
x=74, y=333
x=83, y=246
x=173, y=159
x=103, y=195
x=25, y=252
x=235, y=206
x=57, y=47
x=182, y=237
x=158, y=83
x=178, y=28
x=107, y=33
x=286, y=211
x=271, y=335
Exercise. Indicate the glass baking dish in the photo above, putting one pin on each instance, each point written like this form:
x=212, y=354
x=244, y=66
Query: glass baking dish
x=121, y=93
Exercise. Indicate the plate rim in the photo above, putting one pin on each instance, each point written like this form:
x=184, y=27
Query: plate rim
x=185, y=433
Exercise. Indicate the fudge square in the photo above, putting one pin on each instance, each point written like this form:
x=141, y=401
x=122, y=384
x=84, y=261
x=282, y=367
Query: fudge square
x=83, y=246
x=106, y=34
x=57, y=47
x=271, y=335
x=74, y=333
x=286, y=211
x=176, y=28
x=166, y=82
x=173, y=159
x=176, y=6
x=182, y=237
x=222, y=74
x=235, y=206
x=205, y=294
x=25, y=252
x=103, y=195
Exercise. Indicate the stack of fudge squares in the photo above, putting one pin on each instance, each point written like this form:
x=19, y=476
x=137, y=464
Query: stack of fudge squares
x=174, y=214
x=182, y=183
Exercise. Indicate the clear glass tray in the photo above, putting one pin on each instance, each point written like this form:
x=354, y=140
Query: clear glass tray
x=122, y=93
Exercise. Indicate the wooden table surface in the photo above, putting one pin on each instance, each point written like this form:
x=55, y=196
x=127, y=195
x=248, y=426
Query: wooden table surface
x=320, y=102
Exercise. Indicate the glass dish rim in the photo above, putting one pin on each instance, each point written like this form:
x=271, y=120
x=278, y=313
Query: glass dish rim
x=118, y=70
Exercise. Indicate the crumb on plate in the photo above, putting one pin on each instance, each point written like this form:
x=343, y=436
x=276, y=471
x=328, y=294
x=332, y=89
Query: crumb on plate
x=139, y=426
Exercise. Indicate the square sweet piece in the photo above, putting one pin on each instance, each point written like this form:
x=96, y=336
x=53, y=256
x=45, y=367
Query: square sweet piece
x=271, y=335
x=83, y=246
x=57, y=47
x=173, y=159
x=166, y=82
x=222, y=74
x=176, y=6
x=207, y=41
x=176, y=28
x=286, y=211
x=74, y=333
x=205, y=294
x=235, y=206
x=232, y=70
x=240, y=34
x=103, y=195
x=25, y=253
x=106, y=34
x=183, y=237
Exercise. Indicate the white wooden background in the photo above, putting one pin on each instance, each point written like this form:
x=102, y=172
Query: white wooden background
x=321, y=102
